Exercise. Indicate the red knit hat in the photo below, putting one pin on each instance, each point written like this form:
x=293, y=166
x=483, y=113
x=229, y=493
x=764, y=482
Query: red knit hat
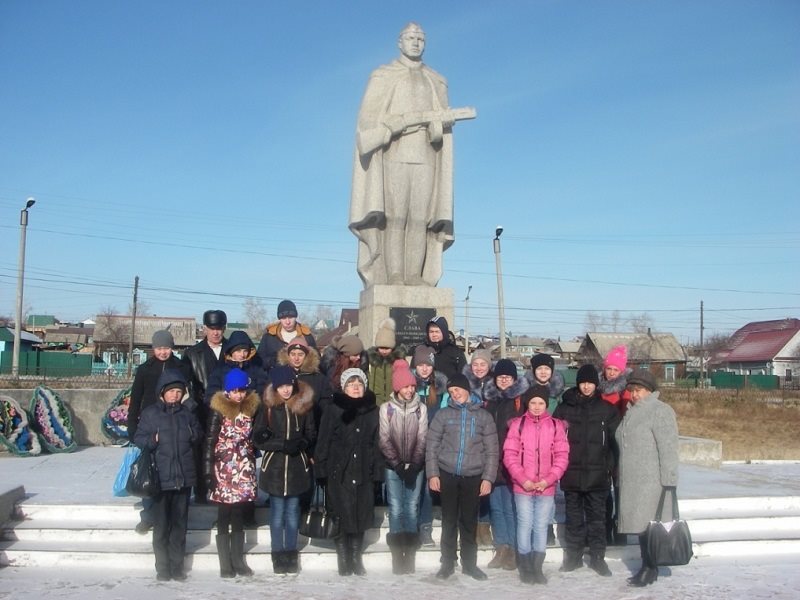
x=617, y=357
x=402, y=375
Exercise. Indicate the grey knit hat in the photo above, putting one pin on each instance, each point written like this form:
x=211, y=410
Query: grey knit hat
x=482, y=354
x=644, y=378
x=163, y=339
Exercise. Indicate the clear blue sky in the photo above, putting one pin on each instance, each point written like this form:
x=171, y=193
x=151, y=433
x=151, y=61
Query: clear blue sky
x=642, y=156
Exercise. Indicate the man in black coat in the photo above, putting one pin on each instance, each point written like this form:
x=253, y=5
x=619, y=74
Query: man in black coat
x=591, y=425
x=202, y=359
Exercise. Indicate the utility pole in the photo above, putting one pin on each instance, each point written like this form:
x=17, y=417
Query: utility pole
x=133, y=324
x=466, y=324
x=500, y=303
x=702, y=350
x=23, y=227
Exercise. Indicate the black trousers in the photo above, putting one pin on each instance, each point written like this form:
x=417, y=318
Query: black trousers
x=460, y=501
x=170, y=514
x=586, y=521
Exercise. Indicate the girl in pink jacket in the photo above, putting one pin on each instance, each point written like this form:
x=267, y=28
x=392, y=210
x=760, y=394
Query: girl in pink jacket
x=536, y=454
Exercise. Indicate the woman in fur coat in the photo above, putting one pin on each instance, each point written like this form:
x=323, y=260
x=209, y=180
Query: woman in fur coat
x=229, y=466
x=348, y=462
x=286, y=433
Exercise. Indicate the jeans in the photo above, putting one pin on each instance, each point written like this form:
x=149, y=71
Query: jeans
x=503, y=516
x=284, y=519
x=403, y=502
x=533, y=514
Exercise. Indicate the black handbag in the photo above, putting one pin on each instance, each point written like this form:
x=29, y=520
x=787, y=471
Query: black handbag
x=143, y=480
x=318, y=522
x=668, y=544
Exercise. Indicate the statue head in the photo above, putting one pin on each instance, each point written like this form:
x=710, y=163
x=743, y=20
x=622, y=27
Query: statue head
x=412, y=41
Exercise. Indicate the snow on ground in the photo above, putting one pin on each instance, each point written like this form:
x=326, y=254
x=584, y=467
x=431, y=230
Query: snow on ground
x=700, y=580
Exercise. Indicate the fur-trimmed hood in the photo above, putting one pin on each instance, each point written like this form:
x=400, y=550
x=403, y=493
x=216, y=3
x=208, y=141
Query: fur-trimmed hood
x=556, y=383
x=300, y=403
x=375, y=359
x=491, y=393
x=230, y=409
x=275, y=328
x=477, y=384
x=614, y=386
x=310, y=364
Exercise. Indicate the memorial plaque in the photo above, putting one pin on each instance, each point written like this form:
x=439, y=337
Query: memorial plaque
x=411, y=324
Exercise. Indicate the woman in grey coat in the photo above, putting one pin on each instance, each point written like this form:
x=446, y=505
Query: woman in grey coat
x=648, y=443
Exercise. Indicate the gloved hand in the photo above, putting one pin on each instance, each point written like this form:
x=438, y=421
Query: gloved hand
x=262, y=436
x=211, y=482
x=322, y=481
x=409, y=474
x=294, y=446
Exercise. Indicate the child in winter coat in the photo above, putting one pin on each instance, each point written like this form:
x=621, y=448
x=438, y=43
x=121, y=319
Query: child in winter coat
x=431, y=388
x=286, y=433
x=229, y=466
x=544, y=373
x=504, y=401
x=591, y=423
x=613, y=389
x=170, y=429
x=381, y=358
x=403, y=429
x=461, y=461
x=536, y=453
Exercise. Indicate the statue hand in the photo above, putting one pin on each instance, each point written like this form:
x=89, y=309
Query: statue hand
x=395, y=123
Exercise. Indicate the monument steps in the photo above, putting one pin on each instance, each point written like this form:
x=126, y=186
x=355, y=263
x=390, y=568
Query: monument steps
x=102, y=536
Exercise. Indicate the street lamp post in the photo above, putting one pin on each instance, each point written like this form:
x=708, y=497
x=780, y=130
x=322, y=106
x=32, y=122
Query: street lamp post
x=23, y=223
x=466, y=324
x=500, y=305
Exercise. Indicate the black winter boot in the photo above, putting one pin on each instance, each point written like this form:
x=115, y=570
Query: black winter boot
x=598, y=564
x=279, y=563
x=356, y=542
x=573, y=559
x=524, y=565
x=537, y=561
x=237, y=554
x=224, y=553
x=410, y=547
x=343, y=555
x=292, y=561
x=636, y=580
x=395, y=541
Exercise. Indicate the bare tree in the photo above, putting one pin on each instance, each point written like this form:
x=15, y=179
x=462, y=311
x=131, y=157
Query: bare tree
x=111, y=330
x=322, y=312
x=641, y=323
x=143, y=308
x=594, y=321
x=256, y=314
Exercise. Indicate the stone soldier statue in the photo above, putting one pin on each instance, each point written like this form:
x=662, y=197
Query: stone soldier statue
x=401, y=207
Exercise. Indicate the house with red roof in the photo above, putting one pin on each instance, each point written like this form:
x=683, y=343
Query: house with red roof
x=763, y=348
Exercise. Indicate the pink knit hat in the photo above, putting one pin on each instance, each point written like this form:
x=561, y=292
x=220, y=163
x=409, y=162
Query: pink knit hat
x=617, y=357
x=402, y=375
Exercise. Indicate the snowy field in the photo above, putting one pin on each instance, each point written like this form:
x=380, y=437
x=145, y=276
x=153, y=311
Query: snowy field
x=706, y=579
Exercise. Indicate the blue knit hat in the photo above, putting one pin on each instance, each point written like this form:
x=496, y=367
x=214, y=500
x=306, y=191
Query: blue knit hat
x=236, y=379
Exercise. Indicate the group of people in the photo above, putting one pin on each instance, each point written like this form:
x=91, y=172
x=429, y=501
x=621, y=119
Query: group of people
x=412, y=425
